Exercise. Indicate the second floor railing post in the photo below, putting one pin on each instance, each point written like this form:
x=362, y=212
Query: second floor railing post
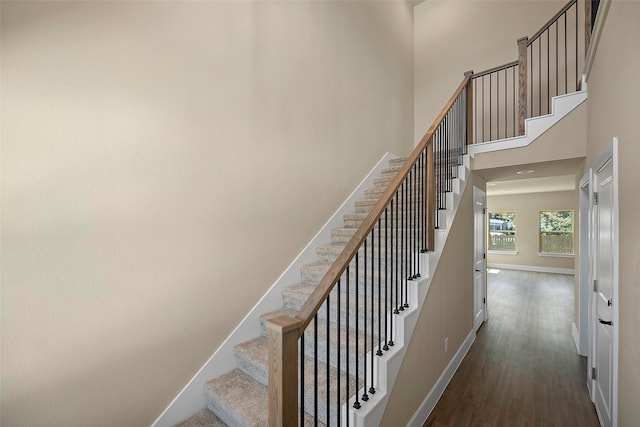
x=283, y=370
x=469, y=113
x=522, y=83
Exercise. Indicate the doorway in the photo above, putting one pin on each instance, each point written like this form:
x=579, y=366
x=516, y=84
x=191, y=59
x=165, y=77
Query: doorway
x=479, y=259
x=601, y=236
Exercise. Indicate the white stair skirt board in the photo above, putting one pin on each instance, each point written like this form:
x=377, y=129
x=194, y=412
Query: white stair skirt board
x=434, y=395
x=192, y=399
x=534, y=127
x=532, y=268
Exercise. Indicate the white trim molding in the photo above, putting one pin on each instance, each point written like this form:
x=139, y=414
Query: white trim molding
x=534, y=268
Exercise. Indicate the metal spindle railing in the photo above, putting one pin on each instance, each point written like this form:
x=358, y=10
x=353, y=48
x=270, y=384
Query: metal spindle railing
x=554, y=54
x=377, y=266
x=496, y=108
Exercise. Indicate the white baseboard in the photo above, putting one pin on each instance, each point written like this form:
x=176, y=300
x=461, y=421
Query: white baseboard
x=191, y=399
x=434, y=395
x=532, y=268
x=576, y=338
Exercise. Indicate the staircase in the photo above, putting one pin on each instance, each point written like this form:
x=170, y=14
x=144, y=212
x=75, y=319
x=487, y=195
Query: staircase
x=240, y=398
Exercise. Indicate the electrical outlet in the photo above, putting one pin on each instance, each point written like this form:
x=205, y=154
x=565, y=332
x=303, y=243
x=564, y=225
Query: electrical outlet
x=446, y=344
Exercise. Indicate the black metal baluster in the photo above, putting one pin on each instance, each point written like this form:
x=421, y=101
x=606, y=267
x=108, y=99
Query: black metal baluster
x=577, y=76
x=402, y=254
x=423, y=216
x=557, y=37
x=356, y=404
x=490, y=108
x=482, y=115
x=475, y=111
x=406, y=243
x=410, y=221
x=387, y=264
x=395, y=253
x=372, y=389
x=365, y=396
x=498, y=104
x=315, y=369
x=548, y=75
x=328, y=380
x=416, y=220
x=301, y=379
x=539, y=76
x=348, y=359
x=379, y=352
x=515, y=109
x=506, y=104
x=566, y=84
x=338, y=364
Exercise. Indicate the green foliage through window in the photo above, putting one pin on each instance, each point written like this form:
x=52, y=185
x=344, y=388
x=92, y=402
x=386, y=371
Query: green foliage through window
x=556, y=232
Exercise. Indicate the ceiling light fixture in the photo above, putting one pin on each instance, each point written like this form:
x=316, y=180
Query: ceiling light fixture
x=525, y=172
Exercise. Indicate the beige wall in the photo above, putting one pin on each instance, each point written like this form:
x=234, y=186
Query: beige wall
x=614, y=104
x=527, y=208
x=162, y=163
x=447, y=312
x=452, y=37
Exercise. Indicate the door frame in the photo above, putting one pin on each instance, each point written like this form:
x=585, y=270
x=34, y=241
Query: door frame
x=480, y=196
x=610, y=153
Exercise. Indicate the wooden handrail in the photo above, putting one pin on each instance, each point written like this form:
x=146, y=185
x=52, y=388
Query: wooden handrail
x=549, y=23
x=322, y=290
x=494, y=69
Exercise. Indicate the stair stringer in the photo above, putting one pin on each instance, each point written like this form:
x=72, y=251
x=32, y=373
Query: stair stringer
x=191, y=399
x=534, y=127
x=387, y=367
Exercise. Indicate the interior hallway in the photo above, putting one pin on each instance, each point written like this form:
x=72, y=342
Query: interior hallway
x=523, y=369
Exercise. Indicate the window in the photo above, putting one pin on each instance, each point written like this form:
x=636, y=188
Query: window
x=556, y=232
x=502, y=231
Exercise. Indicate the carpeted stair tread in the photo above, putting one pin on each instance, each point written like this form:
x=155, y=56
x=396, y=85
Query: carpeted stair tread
x=240, y=401
x=254, y=362
x=204, y=418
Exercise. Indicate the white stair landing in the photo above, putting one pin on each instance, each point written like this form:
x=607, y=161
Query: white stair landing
x=534, y=127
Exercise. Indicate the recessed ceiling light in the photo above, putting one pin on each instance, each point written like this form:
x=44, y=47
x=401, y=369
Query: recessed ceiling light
x=525, y=172
x=492, y=184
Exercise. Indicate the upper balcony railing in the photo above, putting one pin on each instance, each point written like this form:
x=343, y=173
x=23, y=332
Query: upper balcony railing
x=548, y=65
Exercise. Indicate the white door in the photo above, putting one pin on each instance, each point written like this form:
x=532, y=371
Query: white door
x=479, y=257
x=604, y=315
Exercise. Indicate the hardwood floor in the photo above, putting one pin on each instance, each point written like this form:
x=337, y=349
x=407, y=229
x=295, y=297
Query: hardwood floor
x=523, y=368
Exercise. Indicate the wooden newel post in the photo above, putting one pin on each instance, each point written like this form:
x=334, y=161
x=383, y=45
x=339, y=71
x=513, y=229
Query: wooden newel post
x=283, y=370
x=430, y=198
x=522, y=83
x=469, y=90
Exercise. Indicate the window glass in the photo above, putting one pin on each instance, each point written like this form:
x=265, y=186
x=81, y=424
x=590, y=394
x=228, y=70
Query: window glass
x=502, y=231
x=556, y=232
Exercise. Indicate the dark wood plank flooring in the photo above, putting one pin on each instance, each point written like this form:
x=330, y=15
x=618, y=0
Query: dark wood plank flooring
x=523, y=368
